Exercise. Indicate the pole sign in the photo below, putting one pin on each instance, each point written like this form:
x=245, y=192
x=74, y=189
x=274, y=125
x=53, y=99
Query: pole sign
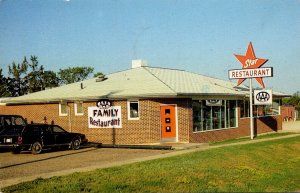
x=251, y=68
x=104, y=115
x=263, y=97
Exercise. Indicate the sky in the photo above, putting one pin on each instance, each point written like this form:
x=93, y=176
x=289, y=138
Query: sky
x=199, y=36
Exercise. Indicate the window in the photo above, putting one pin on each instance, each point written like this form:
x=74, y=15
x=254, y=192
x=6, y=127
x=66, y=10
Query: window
x=63, y=109
x=78, y=107
x=231, y=114
x=19, y=121
x=133, y=110
x=57, y=129
x=259, y=110
x=244, y=108
x=207, y=117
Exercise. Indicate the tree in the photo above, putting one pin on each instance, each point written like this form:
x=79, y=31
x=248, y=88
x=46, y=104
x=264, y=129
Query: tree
x=75, y=74
x=293, y=100
x=16, y=82
x=4, y=92
x=98, y=74
x=35, y=77
x=50, y=80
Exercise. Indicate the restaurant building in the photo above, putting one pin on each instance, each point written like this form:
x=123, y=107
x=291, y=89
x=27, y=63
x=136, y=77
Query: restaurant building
x=146, y=105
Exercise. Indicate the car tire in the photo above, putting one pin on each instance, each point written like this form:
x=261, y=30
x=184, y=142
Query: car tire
x=36, y=148
x=75, y=144
x=16, y=151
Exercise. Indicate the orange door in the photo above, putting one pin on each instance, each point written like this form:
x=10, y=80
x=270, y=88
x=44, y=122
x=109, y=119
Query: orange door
x=168, y=122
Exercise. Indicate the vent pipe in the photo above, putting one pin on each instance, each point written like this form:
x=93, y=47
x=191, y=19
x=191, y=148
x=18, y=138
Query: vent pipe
x=138, y=63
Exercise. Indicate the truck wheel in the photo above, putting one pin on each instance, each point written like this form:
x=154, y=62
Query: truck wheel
x=75, y=144
x=16, y=151
x=36, y=148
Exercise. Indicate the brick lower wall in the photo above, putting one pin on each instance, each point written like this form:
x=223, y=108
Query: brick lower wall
x=145, y=130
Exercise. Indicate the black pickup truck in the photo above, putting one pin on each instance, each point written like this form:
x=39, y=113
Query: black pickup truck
x=17, y=135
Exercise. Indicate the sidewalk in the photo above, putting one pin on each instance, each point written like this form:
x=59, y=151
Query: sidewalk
x=291, y=126
x=179, y=150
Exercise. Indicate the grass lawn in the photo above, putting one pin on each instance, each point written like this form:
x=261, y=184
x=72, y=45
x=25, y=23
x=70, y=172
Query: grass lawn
x=242, y=139
x=271, y=166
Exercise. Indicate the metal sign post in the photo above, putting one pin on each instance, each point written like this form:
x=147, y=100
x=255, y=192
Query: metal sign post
x=251, y=110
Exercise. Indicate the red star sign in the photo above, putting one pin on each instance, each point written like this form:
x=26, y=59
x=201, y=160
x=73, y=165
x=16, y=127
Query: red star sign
x=250, y=61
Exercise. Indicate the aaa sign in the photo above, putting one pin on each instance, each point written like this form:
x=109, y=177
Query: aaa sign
x=263, y=97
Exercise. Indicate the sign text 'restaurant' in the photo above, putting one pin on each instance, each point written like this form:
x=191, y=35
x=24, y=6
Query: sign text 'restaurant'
x=251, y=73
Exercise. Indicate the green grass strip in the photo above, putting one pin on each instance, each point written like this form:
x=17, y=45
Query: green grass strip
x=270, y=166
x=242, y=139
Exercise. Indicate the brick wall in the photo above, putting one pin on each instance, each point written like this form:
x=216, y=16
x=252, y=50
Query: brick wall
x=145, y=130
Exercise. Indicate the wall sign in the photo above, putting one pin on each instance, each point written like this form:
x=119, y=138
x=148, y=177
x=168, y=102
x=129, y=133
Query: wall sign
x=104, y=116
x=213, y=102
x=263, y=97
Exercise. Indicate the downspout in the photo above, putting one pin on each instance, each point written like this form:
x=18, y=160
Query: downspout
x=69, y=116
x=149, y=125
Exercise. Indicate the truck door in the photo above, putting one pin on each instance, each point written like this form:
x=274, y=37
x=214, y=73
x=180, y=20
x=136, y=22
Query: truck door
x=47, y=136
x=60, y=136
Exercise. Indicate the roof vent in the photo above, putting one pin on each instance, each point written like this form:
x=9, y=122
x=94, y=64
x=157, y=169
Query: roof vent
x=101, y=78
x=138, y=63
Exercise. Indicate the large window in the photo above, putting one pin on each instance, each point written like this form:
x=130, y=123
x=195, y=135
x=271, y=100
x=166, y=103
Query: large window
x=259, y=110
x=209, y=117
x=133, y=110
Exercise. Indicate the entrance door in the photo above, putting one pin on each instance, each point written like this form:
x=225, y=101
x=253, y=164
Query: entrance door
x=168, y=123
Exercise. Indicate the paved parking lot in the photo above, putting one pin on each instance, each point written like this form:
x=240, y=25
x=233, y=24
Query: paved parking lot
x=15, y=168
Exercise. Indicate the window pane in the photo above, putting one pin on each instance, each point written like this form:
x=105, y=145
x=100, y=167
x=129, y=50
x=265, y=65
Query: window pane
x=167, y=111
x=79, y=107
x=134, y=110
x=63, y=109
x=168, y=129
x=197, y=116
x=58, y=130
x=244, y=108
x=168, y=120
x=231, y=114
x=19, y=121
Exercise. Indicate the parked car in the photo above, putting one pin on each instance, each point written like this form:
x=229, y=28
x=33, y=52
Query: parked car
x=36, y=137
